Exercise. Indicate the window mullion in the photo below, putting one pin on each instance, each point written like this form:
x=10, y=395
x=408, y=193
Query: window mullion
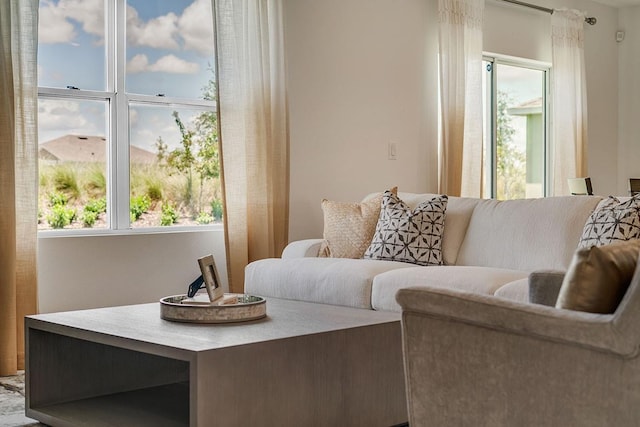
x=120, y=149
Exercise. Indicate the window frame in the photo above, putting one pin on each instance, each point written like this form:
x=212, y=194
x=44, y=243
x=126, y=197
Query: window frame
x=117, y=173
x=490, y=149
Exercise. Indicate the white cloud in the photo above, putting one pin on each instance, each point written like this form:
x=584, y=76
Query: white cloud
x=158, y=32
x=196, y=27
x=173, y=64
x=57, y=118
x=53, y=26
x=90, y=13
x=193, y=29
x=133, y=117
x=167, y=64
x=138, y=64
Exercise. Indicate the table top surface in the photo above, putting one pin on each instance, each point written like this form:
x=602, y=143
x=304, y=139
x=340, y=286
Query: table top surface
x=142, y=324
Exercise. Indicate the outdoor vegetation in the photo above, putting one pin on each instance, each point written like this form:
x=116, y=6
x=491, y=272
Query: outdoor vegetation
x=511, y=162
x=182, y=187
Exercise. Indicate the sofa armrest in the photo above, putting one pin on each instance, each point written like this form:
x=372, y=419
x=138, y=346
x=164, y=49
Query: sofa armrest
x=586, y=330
x=302, y=248
x=544, y=286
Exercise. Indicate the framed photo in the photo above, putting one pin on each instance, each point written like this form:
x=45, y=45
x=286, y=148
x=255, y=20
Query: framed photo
x=210, y=276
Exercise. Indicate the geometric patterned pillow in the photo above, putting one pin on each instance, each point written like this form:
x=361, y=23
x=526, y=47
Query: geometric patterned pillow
x=406, y=235
x=612, y=221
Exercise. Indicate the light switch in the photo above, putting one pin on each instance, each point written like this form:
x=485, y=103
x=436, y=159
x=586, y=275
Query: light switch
x=393, y=150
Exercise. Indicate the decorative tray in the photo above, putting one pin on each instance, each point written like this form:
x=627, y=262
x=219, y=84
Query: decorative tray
x=181, y=308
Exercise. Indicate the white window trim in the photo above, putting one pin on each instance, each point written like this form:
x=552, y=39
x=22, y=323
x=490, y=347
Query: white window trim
x=496, y=58
x=117, y=130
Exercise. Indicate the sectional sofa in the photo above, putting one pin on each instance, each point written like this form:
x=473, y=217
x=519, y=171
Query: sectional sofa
x=488, y=247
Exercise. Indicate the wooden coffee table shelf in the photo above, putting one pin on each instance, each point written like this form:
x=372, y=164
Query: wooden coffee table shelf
x=304, y=364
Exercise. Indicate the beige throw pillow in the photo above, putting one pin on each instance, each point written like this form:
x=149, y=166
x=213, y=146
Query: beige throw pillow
x=598, y=277
x=349, y=227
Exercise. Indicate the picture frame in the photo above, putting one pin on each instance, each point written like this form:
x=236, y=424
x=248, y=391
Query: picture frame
x=211, y=279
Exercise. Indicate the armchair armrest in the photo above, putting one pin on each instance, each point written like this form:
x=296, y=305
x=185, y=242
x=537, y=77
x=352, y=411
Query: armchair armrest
x=587, y=330
x=302, y=248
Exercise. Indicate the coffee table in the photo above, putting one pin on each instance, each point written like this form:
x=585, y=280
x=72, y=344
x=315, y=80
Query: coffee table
x=303, y=365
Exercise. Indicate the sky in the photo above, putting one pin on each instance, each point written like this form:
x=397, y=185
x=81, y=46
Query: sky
x=169, y=50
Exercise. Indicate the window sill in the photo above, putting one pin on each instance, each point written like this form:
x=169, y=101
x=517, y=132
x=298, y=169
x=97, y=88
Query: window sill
x=46, y=234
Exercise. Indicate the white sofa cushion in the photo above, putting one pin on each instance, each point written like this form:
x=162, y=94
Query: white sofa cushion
x=530, y=234
x=303, y=248
x=518, y=290
x=338, y=281
x=481, y=280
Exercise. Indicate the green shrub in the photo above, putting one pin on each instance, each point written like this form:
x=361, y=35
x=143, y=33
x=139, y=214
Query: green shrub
x=216, y=209
x=96, y=205
x=57, y=199
x=169, y=215
x=89, y=218
x=60, y=216
x=92, y=211
x=64, y=180
x=204, y=218
x=138, y=205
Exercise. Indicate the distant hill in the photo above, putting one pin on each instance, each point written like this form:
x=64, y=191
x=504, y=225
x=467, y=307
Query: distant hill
x=86, y=148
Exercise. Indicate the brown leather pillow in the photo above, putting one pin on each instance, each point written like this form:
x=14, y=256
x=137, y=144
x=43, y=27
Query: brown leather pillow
x=598, y=277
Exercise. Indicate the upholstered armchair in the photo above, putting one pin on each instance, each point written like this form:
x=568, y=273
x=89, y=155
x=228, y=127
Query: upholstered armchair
x=478, y=360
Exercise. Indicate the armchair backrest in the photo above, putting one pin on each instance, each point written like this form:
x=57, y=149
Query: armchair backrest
x=626, y=319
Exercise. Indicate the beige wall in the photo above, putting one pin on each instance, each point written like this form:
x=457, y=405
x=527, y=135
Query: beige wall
x=100, y=271
x=363, y=73
x=629, y=93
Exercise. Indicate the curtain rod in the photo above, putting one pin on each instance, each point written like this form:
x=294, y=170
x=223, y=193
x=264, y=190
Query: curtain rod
x=589, y=20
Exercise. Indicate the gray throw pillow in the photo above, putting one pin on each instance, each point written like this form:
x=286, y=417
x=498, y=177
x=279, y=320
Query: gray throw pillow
x=612, y=221
x=407, y=235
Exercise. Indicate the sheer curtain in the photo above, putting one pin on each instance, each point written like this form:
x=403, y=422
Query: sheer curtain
x=460, y=168
x=18, y=176
x=254, y=131
x=569, y=95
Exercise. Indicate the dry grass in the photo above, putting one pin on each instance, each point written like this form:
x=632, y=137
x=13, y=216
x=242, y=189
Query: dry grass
x=82, y=183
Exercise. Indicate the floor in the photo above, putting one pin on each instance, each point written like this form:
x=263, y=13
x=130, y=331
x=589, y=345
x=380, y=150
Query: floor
x=12, y=403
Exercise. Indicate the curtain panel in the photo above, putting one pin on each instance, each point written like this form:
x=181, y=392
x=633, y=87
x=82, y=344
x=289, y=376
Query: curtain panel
x=569, y=97
x=253, y=130
x=460, y=67
x=18, y=176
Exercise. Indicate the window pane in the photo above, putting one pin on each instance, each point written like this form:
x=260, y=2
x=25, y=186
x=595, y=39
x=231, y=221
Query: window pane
x=72, y=161
x=71, y=44
x=520, y=130
x=169, y=47
x=175, y=175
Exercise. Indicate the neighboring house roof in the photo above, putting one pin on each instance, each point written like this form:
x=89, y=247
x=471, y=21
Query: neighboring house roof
x=86, y=148
x=533, y=106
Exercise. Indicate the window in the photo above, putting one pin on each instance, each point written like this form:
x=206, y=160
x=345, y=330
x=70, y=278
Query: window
x=128, y=127
x=515, y=126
